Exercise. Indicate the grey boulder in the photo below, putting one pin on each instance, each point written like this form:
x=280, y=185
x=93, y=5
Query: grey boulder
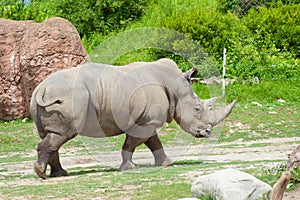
x=231, y=184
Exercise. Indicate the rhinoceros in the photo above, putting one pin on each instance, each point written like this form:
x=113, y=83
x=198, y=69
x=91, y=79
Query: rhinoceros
x=99, y=100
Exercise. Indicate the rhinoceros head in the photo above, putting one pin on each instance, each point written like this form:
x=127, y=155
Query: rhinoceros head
x=196, y=116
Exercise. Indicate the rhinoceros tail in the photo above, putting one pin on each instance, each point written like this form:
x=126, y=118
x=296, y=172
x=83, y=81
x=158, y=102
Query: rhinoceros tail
x=42, y=101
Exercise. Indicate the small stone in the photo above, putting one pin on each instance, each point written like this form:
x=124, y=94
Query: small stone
x=272, y=113
x=240, y=140
x=281, y=101
x=256, y=103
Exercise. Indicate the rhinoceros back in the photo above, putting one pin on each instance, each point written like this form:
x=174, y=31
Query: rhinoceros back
x=100, y=100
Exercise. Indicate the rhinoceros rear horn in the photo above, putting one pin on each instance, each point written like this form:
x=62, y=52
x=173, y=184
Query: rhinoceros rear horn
x=191, y=73
x=220, y=114
x=209, y=103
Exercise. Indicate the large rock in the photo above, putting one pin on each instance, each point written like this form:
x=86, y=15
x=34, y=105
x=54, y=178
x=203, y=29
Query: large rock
x=230, y=184
x=29, y=52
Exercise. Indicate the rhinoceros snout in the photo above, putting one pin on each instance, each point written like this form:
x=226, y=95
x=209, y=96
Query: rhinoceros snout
x=202, y=133
x=208, y=131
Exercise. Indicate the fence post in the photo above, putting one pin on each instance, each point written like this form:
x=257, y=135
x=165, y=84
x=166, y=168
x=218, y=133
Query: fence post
x=224, y=73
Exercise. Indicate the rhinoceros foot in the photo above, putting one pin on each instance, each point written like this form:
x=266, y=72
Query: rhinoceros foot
x=166, y=162
x=127, y=165
x=39, y=170
x=58, y=173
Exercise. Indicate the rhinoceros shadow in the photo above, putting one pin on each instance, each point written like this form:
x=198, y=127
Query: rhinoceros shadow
x=140, y=166
x=90, y=171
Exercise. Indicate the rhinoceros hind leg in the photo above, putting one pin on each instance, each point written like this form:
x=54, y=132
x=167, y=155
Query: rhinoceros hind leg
x=49, y=145
x=155, y=145
x=56, y=169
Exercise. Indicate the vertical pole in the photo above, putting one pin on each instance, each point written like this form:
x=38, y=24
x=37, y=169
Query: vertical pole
x=224, y=73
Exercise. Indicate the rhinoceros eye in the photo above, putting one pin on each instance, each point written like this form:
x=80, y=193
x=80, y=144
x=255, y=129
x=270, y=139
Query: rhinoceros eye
x=197, y=109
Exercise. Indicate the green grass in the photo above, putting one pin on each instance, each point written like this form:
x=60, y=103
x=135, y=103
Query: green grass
x=146, y=182
x=160, y=191
x=16, y=136
x=92, y=182
x=271, y=175
x=267, y=92
x=112, y=182
x=14, y=158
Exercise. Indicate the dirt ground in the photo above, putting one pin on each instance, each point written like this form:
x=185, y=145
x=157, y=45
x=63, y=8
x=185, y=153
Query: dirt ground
x=270, y=152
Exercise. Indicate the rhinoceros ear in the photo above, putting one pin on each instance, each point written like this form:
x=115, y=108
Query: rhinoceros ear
x=191, y=73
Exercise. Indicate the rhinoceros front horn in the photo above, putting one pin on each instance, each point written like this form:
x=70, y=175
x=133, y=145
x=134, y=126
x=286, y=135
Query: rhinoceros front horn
x=220, y=114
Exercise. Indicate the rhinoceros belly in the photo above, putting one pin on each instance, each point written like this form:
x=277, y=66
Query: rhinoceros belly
x=99, y=125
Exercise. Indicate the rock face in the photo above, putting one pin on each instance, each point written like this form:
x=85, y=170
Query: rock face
x=230, y=184
x=29, y=52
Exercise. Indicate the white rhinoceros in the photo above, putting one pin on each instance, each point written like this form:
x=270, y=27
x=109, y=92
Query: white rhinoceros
x=98, y=100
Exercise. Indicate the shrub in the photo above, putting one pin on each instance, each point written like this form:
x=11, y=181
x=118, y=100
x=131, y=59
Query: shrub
x=278, y=26
x=241, y=7
x=88, y=16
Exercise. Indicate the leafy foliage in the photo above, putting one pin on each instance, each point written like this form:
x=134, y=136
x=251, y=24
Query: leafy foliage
x=262, y=36
x=241, y=7
x=88, y=16
x=273, y=174
x=264, y=43
x=100, y=16
x=295, y=178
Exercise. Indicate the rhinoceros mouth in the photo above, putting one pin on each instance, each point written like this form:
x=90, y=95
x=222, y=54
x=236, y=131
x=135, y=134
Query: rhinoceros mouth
x=200, y=133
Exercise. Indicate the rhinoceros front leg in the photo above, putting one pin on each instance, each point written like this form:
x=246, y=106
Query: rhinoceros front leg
x=48, y=153
x=127, y=151
x=155, y=145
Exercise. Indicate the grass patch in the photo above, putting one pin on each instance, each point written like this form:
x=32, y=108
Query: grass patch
x=16, y=136
x=16, y=158
x=265, y=92
x=145, y=182
x=159, y=191
x=259, y=145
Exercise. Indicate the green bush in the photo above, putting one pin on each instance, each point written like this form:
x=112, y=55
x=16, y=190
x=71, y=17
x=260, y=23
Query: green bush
x=104, y=16
x=273, y=174
x=270, y=47
x=37, y=10
x=88, y=16
x=206, y=25
x=263, y=41
x=241, y=7
x=278, y=27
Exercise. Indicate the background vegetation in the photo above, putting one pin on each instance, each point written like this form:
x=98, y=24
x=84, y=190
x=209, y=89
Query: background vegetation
x=262, y=36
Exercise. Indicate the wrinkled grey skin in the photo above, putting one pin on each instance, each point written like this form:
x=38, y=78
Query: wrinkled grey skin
x=99, y=100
